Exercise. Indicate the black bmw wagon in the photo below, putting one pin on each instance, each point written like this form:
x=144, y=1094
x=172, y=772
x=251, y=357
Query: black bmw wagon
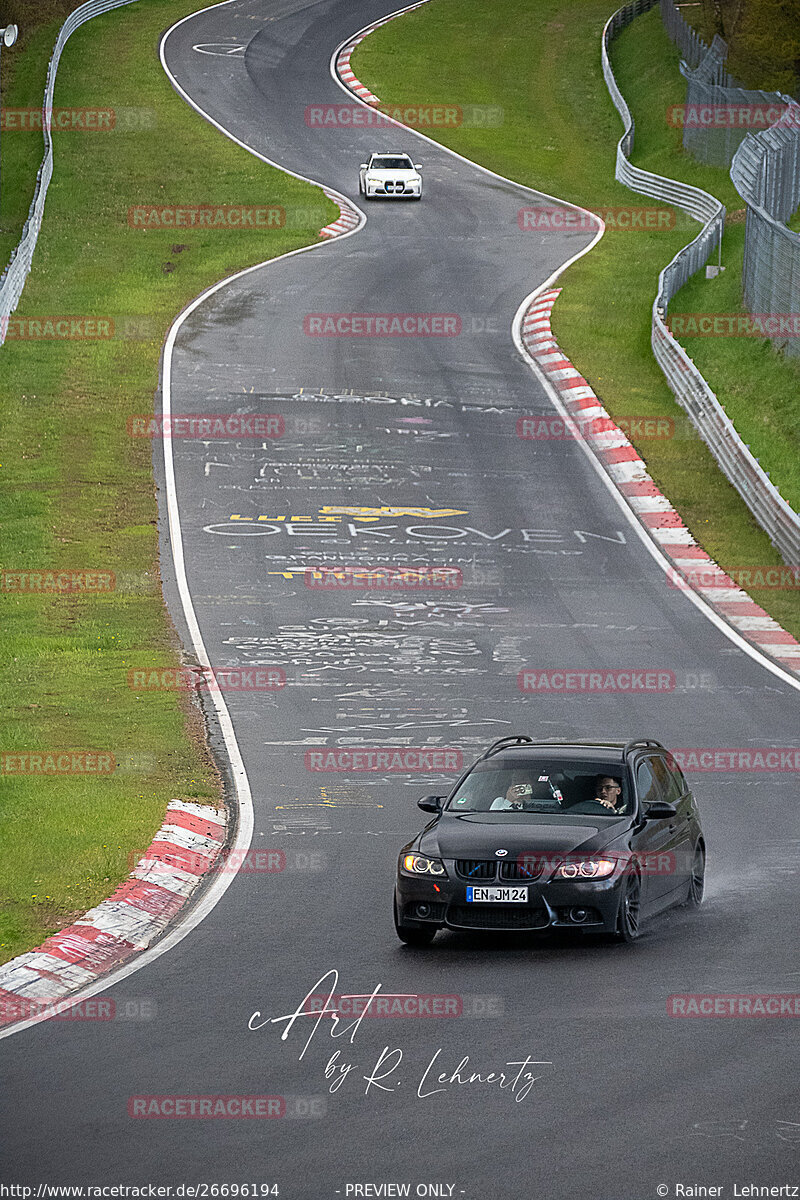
x=597, y=837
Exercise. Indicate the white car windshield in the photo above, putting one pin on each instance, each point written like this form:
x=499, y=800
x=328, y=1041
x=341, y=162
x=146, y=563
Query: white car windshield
x=391, y=164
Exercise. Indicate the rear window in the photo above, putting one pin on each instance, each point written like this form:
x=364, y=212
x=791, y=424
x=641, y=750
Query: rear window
x=559, y=788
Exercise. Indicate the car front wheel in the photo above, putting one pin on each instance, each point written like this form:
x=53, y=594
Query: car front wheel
x=412, y=937
x=697, y=879
x=629, y=911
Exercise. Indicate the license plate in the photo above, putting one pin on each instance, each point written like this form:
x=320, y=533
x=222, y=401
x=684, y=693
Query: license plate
x=497, y=895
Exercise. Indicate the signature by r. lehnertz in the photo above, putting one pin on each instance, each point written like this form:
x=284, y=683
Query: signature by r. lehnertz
x=387, y=1073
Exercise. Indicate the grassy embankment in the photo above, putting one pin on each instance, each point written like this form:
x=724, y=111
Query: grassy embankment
x=77, y=491
x=559, y=131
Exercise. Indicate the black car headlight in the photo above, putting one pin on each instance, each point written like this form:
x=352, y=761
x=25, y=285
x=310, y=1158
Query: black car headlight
x=420, y=864
x=586, y=868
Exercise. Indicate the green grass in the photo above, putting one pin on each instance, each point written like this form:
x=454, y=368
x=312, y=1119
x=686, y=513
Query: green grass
x=24, y=72
x=77, y=490
x=559, y=133
x=22, y=152
x=759, y=387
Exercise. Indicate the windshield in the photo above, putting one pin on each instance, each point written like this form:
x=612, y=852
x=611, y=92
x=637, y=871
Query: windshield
x=538, y=786
x=392, y=164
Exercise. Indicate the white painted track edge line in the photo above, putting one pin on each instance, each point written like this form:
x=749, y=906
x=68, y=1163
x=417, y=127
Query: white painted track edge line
x=213, y=894
x=245, y=824
x=333, y=192
x=644, y=537
x=714, y=617
x=439, y=146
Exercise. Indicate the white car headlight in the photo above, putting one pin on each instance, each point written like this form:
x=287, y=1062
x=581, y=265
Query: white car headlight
x=420, y=864
x=587, y=868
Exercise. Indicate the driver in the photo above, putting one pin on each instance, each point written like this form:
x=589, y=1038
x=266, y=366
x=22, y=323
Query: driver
x=608, y=792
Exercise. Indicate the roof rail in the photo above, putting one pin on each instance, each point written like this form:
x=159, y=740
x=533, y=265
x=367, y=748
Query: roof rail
x=642, y=744
x=515, y=739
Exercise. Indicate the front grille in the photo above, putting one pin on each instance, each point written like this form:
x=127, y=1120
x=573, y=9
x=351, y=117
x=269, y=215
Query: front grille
x=527, y=866
x=475, y=868
x=496, y=916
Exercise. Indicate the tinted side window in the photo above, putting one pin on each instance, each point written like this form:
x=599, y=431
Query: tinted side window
x=677, y=775
x=670, y=790
x=647, y=785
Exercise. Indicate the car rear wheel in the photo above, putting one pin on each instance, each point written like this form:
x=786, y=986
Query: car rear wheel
x=412, y=937
x=697, y=879
x=629, y=910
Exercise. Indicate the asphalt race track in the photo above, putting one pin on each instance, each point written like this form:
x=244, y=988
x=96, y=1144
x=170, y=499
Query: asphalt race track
x=627, y=1098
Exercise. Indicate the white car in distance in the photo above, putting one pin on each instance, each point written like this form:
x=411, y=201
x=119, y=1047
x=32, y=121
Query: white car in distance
x=390, y=174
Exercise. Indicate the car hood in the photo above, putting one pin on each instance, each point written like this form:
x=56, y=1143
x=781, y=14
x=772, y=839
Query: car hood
x=388, y=173
x=478, y=835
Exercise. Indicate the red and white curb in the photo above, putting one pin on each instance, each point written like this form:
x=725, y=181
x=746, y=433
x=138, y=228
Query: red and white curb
x=345, y=71
x=343, y=68
x=622, y=462
x=651, y=506
x=180, y=855
x=348, y=218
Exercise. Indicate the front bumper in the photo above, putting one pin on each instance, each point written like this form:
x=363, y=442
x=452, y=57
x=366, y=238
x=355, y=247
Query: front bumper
x=424, y=902
x=394, y=190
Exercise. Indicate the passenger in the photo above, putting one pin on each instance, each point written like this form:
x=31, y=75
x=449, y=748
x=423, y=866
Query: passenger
x=514, y=799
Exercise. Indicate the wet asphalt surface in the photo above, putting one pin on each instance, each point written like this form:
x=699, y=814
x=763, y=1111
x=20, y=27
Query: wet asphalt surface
x=627, y=1097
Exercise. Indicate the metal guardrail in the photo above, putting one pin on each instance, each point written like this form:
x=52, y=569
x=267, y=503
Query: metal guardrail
x=766, y=173
x=710, y=91
x=15, y=274
x=690, y=44
x=692, y=392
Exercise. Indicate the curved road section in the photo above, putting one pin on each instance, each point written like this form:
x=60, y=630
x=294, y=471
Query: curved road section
x=397, y=451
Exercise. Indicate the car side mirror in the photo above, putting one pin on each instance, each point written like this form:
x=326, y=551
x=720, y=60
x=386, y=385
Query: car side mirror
x=660, y=811
x=363, y=167
x=430, y=803
x=417, y=166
